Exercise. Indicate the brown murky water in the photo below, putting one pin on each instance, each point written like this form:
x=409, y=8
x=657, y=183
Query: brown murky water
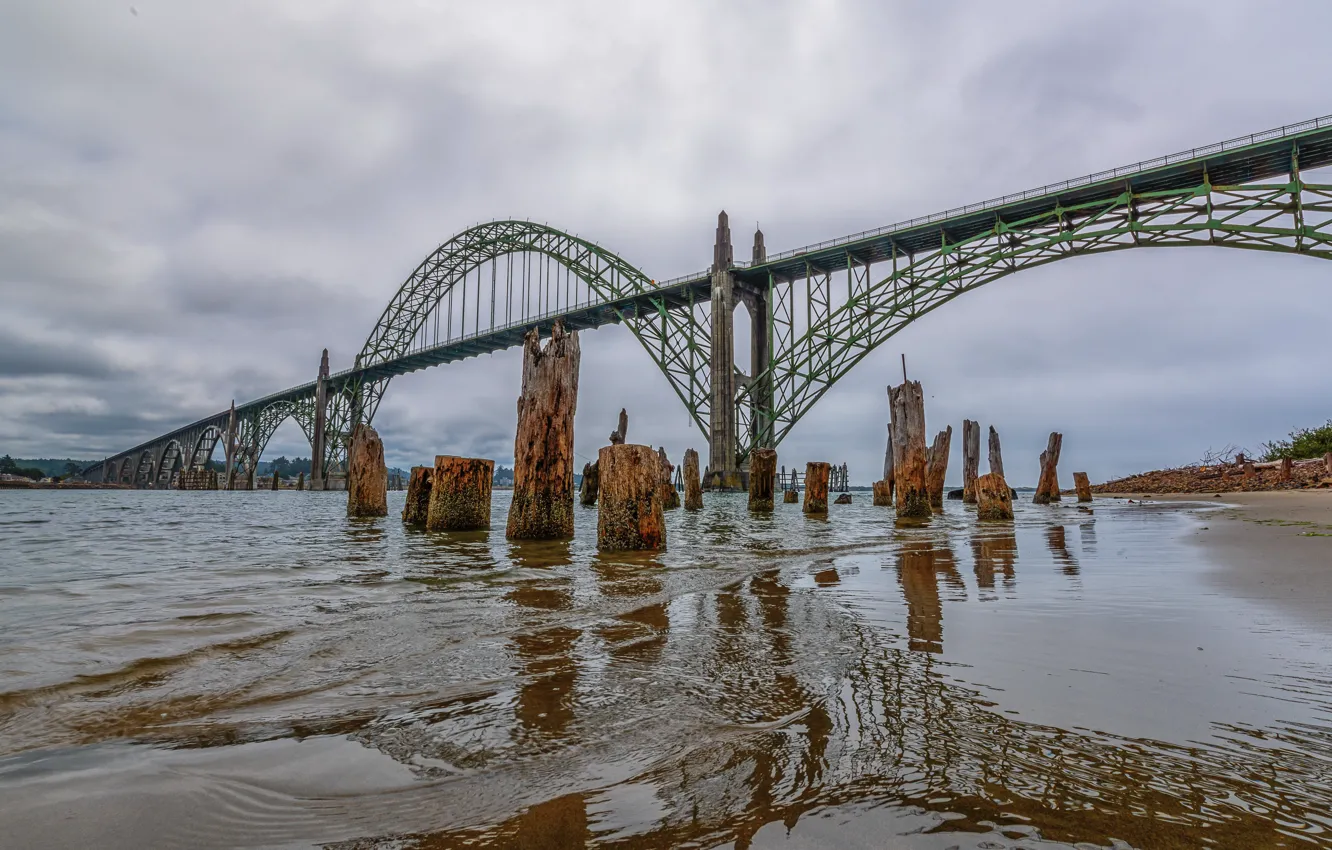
x=253, y=670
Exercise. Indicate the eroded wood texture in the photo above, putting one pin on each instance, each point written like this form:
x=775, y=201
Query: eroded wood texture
x=587, y=491
x=543, y=449
x=970, y=459
x=994, y=499
x=883, y=493
x=762, y=478
x=843, y=499
x=670, y=498
x=936, y=466
x=1082, y=484
x=622, y=429
x=693, y=485
x=367, y=477
x=460, y=494
x=909, y=462
x=816, y=487
x=790, y=497
x=631, y=515
x=417, y=506
x=1047, y=487
x=996, y=455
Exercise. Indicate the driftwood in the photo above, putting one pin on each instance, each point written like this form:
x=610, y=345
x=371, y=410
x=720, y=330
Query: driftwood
x=543, y=447
x=816, y=487
x=1083, y=485
x=936, y=466
x=460, y=494
x=908, y=411
x=1047, y=487
x=996, y=456
x=631, y=515
x=617, y=436
x=587, y=491
x=367, y=477
x=790, y=497
x=970, y=459
x=762, y=477
x=883, y=493
x=693, y=499
x=417, y=506
x=994, y=498
x=670, y=499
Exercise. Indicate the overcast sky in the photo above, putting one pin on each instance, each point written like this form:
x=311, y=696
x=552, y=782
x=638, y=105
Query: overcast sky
x=195, y=198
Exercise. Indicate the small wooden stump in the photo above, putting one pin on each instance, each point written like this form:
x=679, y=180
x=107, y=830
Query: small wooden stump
x=300, y=481
x=996, y=454
x=693, y=499
x=1083, y=486
x=543, y=448
x=883, y=493
x=1286, y=469
x=670, y=499
x=277, y=482
x=970, y=459
x=1248, y=470
x=1047, y=487
x=762, y=478
x=367, y=477
x=460, y=494
x=417, y=508
x=790, y=497
x=909, y=461
x=631, y=515
x=587, y=491
x=816, y=487
x=994, y=499
x=844, y=499
x=936, y=465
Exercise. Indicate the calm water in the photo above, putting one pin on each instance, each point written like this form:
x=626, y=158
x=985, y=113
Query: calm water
x=253, y=669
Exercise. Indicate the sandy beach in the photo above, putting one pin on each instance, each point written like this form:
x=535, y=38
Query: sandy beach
x=1273, y=548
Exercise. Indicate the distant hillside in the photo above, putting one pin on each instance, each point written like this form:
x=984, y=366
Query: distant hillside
x=51, y=466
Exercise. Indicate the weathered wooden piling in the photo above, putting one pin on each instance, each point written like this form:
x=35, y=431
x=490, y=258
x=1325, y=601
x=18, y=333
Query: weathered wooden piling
x=1083, y=485
x=762, y=478
x=367, y=477
x=1286, y=469
x=970, y=459
x=790, y=497
x=693, y=499
x=543, y=447
x=844, y=499
x=417, y=507
x=300, y=481
x=631, y=515
x=460, y=494
x=816, y=487
x=670, y=497
x=909, y=461
x=1327, y=463
x=276, y=482
x=994, y=499
x=883, y=493
x=622, y=430
x=996, y=455
x=587, y=491
x=1047, y=487
x=936, y=465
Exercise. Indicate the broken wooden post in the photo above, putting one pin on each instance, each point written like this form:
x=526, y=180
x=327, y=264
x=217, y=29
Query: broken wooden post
x=790, y=497
x=670, y=498
x=844, y=499
x=460, y=494
x=994, y=499
x=587, y=491
x=300, y=481
x=1047, y=487
x=631, y=515
x=367, y=477
x=970, y=459
x=909, y=466
x=543, y=447
x=1083, y=486
x=936, y=465
x=417, y=508
x=883, y=493
x=816, y=487
x=1285, y=469
x=996, y=457
x=1327, y=463
x=617, y=436
x=762, y=478
x=693, y=499
x=1248, y=470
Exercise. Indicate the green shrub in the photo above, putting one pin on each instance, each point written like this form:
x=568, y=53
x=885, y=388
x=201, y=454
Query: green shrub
x=1303, y=443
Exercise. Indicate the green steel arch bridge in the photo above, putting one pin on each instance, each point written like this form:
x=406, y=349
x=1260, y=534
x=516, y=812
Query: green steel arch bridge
x=814, y=312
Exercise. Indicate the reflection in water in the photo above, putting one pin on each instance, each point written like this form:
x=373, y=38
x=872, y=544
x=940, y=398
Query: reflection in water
x=641, y=632
x=919, y=563
x=994, y=551
x=547, y=672
x=1088, y=530
x=1055, y=539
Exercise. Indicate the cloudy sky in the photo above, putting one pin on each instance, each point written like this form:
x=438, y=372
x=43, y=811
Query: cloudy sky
x=195, y=198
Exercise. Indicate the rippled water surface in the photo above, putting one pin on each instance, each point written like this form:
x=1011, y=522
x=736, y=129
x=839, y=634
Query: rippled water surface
x=253, y=669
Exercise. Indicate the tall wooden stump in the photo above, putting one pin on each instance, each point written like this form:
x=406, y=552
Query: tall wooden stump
x=1047, y=488
x=417, y=508
x=631, y=515
x=936, y=465
x=909, y=463
x=970, y=459
x=996, y=456
x=460, y=494
x=762, y=478
x=883, y=493
x=1083, y=486
x=994, y=500
x=816, y=487
x=670, y=498
x=300, y=481
x=693, y=499
x=367, y=477
x=543, y=449
x=587, y=491
x=790, y=497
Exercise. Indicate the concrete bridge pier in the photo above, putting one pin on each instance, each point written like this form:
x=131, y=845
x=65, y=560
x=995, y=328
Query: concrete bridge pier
x=317, y=473
x=723, y=472
x=757, y=304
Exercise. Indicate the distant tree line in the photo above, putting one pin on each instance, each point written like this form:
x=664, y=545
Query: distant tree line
x=43, y=467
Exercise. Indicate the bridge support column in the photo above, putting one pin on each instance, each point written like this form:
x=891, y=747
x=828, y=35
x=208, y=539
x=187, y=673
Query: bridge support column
x=320, y=424
x=758, y=305
x=723, y=472
x=230, y=448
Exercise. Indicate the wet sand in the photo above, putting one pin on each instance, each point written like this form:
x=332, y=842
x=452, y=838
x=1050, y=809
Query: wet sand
x=1271, y=548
